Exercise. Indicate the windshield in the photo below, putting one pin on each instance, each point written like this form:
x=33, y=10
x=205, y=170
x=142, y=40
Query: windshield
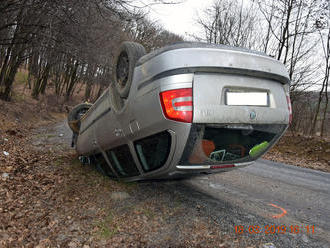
x=218, y=144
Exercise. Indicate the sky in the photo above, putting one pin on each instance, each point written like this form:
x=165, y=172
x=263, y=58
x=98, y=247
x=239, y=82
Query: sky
x=180, y=18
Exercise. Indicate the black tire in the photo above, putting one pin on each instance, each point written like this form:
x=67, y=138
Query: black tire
x=117, y=103
x=75, y=115
x=129, y=53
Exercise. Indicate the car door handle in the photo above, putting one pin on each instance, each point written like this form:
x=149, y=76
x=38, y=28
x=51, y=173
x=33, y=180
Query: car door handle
x=118, y=132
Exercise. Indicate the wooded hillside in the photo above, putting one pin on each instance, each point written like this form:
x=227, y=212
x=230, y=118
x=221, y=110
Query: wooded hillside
x=66, y=42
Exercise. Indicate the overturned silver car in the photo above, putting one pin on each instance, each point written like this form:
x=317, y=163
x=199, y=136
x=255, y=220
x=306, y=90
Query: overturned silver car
x=185, y=109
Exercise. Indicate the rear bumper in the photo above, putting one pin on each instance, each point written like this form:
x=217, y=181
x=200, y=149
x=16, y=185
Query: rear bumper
x=213, y=168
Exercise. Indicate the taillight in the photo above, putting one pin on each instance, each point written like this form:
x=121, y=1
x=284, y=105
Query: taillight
x=177, y=104
x=289, y=107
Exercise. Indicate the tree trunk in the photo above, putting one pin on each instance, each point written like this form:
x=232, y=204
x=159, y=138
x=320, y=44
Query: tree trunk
x=4, y=66
x=5, y=95
x=73, y=80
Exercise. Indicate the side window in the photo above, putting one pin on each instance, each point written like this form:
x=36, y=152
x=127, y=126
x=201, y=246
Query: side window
x=101, y=163
x=153, y=151
x=122, y=161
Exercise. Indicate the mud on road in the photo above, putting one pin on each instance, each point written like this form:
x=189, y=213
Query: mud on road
x=53, y=200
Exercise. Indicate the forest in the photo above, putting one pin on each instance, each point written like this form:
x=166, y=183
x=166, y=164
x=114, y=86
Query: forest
x=65, y=45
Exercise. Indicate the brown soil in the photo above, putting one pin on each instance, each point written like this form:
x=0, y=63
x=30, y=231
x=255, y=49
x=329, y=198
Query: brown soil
x=26, y=112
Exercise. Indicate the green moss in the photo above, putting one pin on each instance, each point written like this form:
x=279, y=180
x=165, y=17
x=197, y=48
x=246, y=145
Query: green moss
x=106, y=228
x=48, y=136
x=58, y=162
x=75, y=162
x=21, y=77
x=18, y=97
x=149, y=213
x=38, y=136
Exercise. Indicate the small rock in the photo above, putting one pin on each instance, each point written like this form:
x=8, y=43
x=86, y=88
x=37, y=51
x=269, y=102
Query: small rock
x=5, y=153
x=119, y=195
x=60, y=238
x=5, y=139
x=304, y=238
x=5, y=175
x=43, y=243
x=74, y=228
x=72, y=244
x=61, y=135
x=268, y=245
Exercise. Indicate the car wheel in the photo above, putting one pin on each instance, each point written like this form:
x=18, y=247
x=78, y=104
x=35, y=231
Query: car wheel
x=75, y=115
x=129, y=54
x=117, y=103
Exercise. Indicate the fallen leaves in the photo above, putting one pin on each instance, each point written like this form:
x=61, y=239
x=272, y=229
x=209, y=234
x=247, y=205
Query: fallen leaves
x=308, y=152
x=50, y=199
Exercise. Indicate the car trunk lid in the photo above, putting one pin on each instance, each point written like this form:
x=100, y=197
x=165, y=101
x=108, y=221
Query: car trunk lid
x=231, y=98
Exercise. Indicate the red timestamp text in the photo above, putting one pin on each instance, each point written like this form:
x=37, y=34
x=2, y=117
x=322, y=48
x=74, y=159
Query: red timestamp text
x=275, y=229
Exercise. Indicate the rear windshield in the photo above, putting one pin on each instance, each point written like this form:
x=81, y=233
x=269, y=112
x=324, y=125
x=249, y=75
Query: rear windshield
x=223, y=144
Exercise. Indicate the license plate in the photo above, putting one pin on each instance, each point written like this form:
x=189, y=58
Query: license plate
x=247, y=98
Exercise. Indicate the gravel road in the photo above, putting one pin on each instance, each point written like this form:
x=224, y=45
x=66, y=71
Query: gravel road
x=294, y=200
x=299, y=197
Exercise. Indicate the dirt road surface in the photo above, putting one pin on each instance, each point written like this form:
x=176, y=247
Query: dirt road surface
x=267, y=204
x=255, y=197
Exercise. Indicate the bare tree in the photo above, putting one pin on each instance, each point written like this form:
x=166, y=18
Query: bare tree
x=150, y=34
x=67, y=42
x=229, y=23
x=325, y=82
x=323, y=24
x=291, y=38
